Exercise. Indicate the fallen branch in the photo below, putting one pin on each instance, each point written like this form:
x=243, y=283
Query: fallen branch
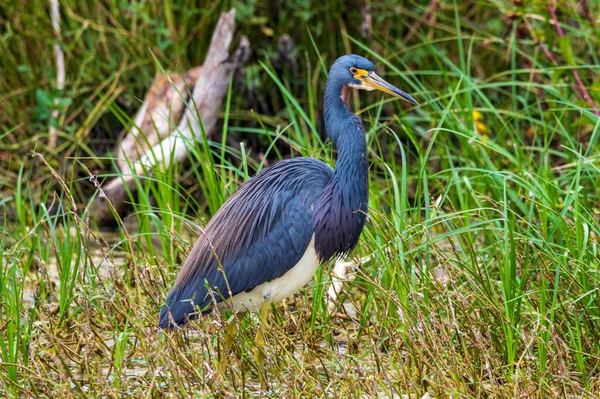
x=210, y=87
x=162, y=109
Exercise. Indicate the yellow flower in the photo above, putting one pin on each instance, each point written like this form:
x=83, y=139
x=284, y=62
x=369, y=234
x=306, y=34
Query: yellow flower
x=479, y=126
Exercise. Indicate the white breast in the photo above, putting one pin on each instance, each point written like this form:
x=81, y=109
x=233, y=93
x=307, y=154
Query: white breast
x=281, y=287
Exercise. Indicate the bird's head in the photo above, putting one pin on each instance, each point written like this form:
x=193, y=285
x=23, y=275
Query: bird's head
x=354, y=71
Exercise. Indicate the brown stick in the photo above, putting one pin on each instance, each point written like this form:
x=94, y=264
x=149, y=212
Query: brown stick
x=561, y=34
x=428, y=14
x=59, y=60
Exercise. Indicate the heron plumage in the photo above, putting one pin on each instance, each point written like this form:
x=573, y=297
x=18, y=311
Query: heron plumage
x=258, y=235
x=293, y=214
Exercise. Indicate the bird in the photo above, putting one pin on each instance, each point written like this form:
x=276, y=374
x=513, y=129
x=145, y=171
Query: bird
x=268, y=239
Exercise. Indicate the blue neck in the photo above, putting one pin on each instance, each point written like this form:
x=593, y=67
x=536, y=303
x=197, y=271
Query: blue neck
x=341, y=213
x=348, y=134
x=340, y=216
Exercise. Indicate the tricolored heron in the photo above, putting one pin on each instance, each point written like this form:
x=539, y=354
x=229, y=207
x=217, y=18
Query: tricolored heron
x=268, y=239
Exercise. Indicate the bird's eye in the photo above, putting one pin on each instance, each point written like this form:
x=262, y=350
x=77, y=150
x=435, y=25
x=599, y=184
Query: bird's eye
x=353, y=70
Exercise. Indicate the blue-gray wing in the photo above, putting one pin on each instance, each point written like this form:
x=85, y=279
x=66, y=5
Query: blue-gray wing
x=257, y=236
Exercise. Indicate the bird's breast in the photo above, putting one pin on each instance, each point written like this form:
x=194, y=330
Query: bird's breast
x=279, y=288
x=340, y=218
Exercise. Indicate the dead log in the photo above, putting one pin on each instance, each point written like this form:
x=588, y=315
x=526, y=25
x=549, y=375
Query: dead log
x=161, y=111
x=209, y=88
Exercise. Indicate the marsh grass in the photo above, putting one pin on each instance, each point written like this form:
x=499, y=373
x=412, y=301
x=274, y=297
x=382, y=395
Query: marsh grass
x=483, y=278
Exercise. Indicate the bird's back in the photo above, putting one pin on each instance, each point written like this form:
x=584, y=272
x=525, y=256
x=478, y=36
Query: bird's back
x=258, y=235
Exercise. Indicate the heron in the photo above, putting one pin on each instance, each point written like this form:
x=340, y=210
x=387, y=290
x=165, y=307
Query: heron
x=268, y=239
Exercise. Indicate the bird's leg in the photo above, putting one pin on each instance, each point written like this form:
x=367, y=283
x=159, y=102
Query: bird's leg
x=342, y=271
x=259, y=343
x=228, y=338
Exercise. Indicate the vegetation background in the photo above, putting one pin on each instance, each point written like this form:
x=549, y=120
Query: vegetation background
x=480, y=274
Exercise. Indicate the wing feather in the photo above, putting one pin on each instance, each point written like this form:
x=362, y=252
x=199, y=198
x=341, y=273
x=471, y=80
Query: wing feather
x=259, y=234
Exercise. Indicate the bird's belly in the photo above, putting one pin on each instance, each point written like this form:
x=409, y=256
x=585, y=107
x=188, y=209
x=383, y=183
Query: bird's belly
x=279, y=288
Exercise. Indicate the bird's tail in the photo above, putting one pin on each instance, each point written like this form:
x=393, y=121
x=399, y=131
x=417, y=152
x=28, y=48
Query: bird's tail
x=178, y=310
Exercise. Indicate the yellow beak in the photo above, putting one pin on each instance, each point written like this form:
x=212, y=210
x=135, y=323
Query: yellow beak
x=373, y=81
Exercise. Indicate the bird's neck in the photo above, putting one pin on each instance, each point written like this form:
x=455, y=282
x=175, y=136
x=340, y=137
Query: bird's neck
x=348, y=134
x=341, y=215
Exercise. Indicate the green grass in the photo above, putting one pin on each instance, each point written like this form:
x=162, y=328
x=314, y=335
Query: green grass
x=484, y=276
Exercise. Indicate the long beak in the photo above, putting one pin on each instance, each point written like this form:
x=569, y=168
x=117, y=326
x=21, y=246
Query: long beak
x=373, y=81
